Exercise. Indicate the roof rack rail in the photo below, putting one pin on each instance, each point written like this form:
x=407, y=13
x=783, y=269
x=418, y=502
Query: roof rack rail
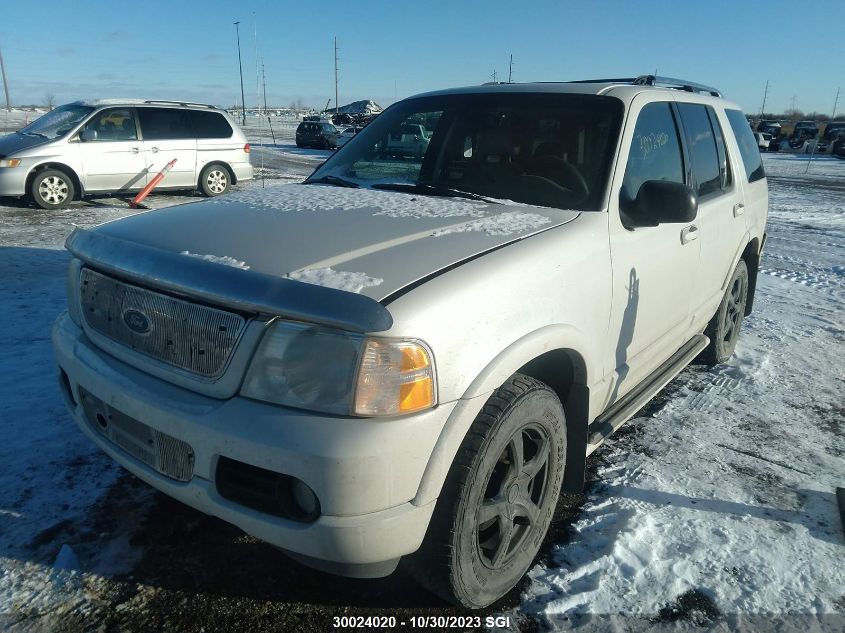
x=181, y=103
x=652, y=80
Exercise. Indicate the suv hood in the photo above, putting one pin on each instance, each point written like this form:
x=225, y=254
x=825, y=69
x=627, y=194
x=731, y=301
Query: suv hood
x=356, y=240
x=17, y=142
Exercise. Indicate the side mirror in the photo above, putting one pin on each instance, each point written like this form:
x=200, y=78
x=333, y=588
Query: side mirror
x=88, y=135
x=660, y=202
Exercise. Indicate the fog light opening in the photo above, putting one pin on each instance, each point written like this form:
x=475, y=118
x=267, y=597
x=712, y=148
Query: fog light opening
x=101, y=420
x=303, y=504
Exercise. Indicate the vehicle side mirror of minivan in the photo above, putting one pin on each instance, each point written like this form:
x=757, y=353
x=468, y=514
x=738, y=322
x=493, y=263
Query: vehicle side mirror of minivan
x=88, y=135
x=660, y=202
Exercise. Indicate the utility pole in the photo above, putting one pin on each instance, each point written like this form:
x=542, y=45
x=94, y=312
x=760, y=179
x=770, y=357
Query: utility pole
x=257, y=91
x=264, y=81
x=336, y=102
x=832, y=116
x=241, y=67
x=510, y=69
x=765, y=94
x=494, y=76
x=6, y=83
x=793, y=105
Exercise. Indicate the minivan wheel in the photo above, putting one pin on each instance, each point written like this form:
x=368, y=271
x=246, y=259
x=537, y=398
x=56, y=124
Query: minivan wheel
x=52, y=189
x=214, y=180
x=723, y=329
x=498, y=499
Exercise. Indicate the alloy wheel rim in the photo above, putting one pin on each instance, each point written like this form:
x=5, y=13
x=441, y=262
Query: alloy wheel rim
x=515, y=492
x=216, y=181
x=53, y=190
x=733, y=312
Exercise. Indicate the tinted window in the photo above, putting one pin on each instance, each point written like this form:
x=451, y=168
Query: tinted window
x=117, y=124
x=210, y=124
x=724, y=163
x=748, y=149
x=536, y=148
x=159, y=124
x=702, y=148
x=655, y=150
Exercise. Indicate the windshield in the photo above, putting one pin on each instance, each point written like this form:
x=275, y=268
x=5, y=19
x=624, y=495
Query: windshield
x=542, y=149
x=58, y=122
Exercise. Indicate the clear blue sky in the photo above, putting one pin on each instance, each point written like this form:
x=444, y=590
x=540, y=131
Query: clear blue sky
x=185, y=49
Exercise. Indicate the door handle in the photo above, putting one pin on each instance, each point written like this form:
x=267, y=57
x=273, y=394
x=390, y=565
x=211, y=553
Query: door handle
x=155, y=150
x=689, y=234
x=739, y=209
x=134, y=150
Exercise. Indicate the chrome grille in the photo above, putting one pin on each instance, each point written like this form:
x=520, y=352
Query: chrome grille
x=186, y=335
x=166, y=454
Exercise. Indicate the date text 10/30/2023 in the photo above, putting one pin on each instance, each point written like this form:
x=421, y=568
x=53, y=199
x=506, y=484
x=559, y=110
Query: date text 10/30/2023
x=420, y=621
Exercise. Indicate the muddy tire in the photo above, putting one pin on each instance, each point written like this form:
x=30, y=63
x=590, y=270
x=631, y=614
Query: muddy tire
x=52, y=189
x=723, y=329
x=498, y=499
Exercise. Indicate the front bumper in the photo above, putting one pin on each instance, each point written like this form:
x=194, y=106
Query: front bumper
x=364, y=472
x=13, y=181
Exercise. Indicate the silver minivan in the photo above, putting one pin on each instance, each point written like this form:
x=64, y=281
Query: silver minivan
x=119, y=146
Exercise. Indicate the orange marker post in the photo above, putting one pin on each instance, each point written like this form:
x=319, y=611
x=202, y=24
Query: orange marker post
x=136, y=201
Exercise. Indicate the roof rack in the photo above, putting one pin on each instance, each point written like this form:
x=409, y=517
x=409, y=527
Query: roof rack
x=181, y=103
x=652, y=80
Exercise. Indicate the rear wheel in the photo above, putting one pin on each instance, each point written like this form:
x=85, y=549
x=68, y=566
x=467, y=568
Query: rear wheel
x=214, y=180
x=723, y=329
x=52, y=189
x=498, y=499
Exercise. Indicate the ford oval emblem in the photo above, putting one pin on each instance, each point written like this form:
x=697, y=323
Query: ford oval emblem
x=137, y=321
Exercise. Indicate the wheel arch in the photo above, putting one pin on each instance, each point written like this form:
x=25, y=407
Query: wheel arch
x=232, y=177
x=548, y=355
x=70, y=171
x=751, y=256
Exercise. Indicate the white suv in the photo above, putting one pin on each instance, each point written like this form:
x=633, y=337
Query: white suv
x=117, y=146
x=410, y=356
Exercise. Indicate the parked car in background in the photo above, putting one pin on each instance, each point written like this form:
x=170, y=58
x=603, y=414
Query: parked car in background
x=832, y=132
x=319, y=134
x=805, y=129
x=409, y=139
x=769, y=127
x=341, y=119
x=763, y=140
x=347, y=134
x=116, y=146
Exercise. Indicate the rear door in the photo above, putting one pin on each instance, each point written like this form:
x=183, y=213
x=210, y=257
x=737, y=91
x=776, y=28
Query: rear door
x=721, y=218
x=114, y=160
x=168, y=134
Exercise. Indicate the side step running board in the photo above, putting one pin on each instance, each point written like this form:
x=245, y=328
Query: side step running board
x=622, y=411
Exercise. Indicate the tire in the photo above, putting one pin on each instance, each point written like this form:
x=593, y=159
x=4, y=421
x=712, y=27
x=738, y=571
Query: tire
x=215, y=180
x=493, y=514
x=723, y=329
x=52, y=189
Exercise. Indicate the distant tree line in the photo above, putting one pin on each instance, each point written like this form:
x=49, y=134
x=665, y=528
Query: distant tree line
x=797, y=115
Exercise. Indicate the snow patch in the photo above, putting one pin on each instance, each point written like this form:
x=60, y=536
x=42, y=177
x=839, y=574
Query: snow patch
x=509, y=223
x=338, y=279
x=302, y=198
x=219, y=259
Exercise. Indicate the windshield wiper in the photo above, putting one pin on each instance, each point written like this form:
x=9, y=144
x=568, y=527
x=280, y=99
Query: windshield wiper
x=430, y=190
x=332, y=180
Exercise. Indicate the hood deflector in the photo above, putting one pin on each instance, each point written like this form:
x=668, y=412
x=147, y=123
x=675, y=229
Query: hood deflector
x=221, y=285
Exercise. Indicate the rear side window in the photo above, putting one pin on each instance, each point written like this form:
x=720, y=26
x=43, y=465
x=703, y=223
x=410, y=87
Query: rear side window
x=160, y=124
x=655, y=150
x=748, y=149
x=210, y=124
x=701, y=143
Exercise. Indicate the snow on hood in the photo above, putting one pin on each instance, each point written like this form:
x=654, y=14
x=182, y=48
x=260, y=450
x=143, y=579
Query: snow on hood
x=361, y=240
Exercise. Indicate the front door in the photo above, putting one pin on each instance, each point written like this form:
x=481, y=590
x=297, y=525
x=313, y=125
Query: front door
x=112, y=156
x=168, y=134
x=654, y=267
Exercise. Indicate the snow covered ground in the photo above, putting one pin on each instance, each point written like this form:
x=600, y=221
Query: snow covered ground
x=714, y=507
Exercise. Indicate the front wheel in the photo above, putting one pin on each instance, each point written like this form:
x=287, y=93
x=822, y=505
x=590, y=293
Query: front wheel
x=52, y=189
x=214, y=180
x=723, y=329
x=498, y=499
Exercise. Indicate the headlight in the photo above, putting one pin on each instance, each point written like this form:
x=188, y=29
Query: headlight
x=10, y=162
x=332, y=371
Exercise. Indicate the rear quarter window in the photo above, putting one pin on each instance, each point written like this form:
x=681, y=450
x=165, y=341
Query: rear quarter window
x=210, y=124
x=748, y=149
